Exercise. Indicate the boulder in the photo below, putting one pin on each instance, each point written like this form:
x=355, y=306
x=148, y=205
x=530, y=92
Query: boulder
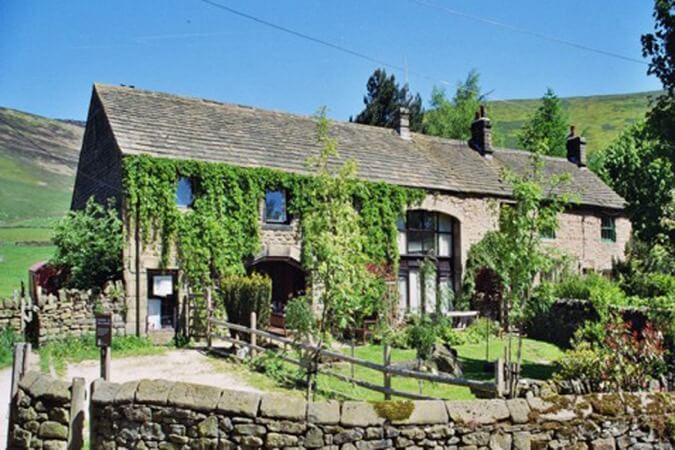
x=444, y=359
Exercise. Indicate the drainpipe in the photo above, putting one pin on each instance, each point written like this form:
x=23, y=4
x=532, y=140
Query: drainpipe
x=137, y=236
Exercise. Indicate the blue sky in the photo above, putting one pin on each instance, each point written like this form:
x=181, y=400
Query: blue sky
x=52, y=51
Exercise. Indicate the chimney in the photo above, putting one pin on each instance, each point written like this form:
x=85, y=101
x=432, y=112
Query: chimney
x=576, y=148
x=403, y=125
x=481, y=133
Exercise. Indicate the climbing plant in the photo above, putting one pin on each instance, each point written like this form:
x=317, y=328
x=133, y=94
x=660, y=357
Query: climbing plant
x=221, y=229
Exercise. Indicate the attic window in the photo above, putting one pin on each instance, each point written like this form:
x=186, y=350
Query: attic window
x=275, y=207
x=608, y=229
x=184, y=196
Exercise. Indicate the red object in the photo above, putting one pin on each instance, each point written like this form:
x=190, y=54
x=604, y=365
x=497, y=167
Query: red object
x=49, y=278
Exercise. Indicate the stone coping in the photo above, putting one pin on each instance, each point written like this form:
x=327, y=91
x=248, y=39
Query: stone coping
x=363, y=414
x=42, y=386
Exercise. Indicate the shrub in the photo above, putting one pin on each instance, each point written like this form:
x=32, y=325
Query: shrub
x=7, y=340
x=422, y=334
x=600, y=291
x=299, y=316
x=89, y=245
x=480, y=330
x=243, y=295
x=582, y=363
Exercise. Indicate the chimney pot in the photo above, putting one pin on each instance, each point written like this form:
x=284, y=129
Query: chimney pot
x=481, y=133
x=576, y=148
x=403, y=126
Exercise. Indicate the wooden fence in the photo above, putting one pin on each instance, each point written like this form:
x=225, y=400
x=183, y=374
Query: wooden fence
x=491, y=389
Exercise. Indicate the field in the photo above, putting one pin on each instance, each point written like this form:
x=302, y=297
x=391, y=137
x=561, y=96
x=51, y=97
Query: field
x=20, y=248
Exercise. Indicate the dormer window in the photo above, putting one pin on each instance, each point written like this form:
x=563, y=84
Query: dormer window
x=184, y=195
x=275, y=207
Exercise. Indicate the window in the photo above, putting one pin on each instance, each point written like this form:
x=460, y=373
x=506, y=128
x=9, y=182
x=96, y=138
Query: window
x=184, y=197
x=428, y=232
x=608, y=229
x=548, y=233
x=162, y=304
x=275, y=207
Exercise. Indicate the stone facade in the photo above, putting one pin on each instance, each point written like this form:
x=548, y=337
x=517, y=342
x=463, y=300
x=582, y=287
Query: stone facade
x=168, y=415
x=10, y=314
x=41, y=413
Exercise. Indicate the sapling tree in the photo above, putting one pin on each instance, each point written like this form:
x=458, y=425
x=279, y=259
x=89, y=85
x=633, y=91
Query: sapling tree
x=515, y=251
x=343, y=290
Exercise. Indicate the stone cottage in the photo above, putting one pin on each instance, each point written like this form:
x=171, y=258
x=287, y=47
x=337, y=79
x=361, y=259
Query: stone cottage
x=461, y=179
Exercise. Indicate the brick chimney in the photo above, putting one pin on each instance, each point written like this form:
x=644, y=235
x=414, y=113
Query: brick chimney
x=481, y=133
x=576, y=148
x=403, y=125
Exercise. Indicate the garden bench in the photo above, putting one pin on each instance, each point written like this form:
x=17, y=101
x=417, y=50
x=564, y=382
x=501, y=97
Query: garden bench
x=462, y=319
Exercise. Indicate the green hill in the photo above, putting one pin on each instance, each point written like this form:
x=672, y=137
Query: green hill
x=599, y=118
x=38, y=158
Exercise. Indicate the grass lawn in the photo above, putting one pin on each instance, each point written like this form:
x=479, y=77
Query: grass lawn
x=18, y=234
x=59, y=353
x=537, y=363
x=15, y=261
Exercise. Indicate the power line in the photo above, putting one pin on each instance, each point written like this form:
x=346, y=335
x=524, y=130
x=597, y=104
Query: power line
x=521, y=30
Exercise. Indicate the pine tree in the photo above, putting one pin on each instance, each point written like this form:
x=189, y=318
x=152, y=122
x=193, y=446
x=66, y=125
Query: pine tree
x=384, y=99
x=548, y=127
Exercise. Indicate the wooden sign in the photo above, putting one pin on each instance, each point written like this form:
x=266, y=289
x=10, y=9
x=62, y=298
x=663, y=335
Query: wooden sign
x=103, y=330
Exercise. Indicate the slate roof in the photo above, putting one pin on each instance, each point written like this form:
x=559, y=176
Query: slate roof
x=164, y=125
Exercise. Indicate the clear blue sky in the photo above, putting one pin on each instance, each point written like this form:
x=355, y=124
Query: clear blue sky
x=52, y=51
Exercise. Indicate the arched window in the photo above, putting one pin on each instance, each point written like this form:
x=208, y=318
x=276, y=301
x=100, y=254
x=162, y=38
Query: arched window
x=427, y=266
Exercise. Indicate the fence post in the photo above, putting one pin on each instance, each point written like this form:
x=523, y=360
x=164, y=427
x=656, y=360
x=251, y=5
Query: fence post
x=387, y=374
x=105, y=363
x=499, y=377
x=18, y=367
x=351, y=363
x=78, y=394
x=209, y=316
x=254, y=337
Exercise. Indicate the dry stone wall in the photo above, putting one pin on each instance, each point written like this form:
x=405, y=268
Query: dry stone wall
x=71, y=313
x=42, y=413
x=10, y=314
x=166, y=415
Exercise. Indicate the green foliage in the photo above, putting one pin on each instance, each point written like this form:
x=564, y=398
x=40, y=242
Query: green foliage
x=635, y=167
x=384, y=99
x=181, y=341
x=394, y=410
x=481, y=330
x=451, y=118
x=89, y=245
x=600, y=291
x=7, y=340
x=422, y=336
x=547, y=126
x=242, y=295
x=272, y=365
x=581, y=363
x=221, y=230
x=299, y=316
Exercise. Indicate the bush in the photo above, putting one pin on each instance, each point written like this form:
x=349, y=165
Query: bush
x=581, y=363
x=600, y=291
x=89, y=245
x=423, y=334
x=242, y=295
x=7, y=340
x=480, y=330
x=299, y=316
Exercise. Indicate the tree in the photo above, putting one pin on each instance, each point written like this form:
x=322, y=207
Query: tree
x=89, y=245
x=548, y=125
x=659, y=46
x=634, y=167
x=333, y=253
x=452, y=118
x=514, y=252
x=384, y=99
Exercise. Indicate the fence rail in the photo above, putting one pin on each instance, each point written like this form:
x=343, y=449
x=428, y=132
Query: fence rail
x=388, y=370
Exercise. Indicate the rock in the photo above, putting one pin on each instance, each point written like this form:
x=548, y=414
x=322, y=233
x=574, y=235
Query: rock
x=500, y=441
x=603, y=444
x=208, y=427
x=26, y=414
x=314, y=438
x=426, y=412
x=519, y=410
x=194, y=396
x=239, y=403
x=521, y=441
x=283, y=407
x=152, y=432
x=250, y=429
x=126, y=392
x=251, y=441
x=327, y=413
x=347, y=436
x=359, y=414
x=374, y=445
x=477, y=412
x=54, y=445
x=53, y=430
x=60, y=415
x=476, y=438
x=154, y=391
x=287, y=426
x=444, y=358
x=274, y=440
x=21, y=438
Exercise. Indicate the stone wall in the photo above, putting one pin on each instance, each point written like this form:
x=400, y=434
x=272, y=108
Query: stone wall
x=10, y=314
x=561, y=321
x=167, y=415
x=42, y=413
x=71, y=313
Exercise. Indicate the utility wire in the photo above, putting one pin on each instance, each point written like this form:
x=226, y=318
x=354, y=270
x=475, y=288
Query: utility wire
x=536, y=34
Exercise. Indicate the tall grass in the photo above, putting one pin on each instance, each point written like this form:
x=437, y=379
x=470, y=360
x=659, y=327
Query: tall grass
x=7, y=340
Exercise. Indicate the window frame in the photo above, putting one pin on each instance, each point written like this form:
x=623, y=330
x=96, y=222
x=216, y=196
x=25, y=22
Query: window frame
x=547, y=233
x=193, y=189
x=434, y=230
x=267, y=220
x=608, y=231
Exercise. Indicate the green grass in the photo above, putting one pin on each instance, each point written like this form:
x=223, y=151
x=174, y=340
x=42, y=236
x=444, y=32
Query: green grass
x=8, y=338
x=537, y=363
x=59, y=353
x=14, y=264
x=22, y=234
x=600, y=118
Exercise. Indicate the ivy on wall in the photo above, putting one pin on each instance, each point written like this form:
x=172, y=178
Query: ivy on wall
x=221, y=230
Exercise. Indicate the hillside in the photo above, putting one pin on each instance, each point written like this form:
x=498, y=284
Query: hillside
x=600, y=118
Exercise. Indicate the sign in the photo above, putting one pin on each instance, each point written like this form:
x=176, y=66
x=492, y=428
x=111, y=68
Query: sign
x=103, y=330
